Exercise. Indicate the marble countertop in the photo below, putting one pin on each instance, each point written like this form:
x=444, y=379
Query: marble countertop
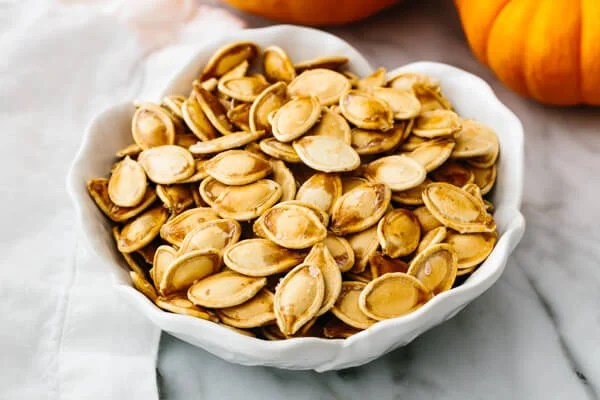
x=534, y=335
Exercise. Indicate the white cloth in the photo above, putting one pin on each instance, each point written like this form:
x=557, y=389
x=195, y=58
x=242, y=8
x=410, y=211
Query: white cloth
x=64, y=333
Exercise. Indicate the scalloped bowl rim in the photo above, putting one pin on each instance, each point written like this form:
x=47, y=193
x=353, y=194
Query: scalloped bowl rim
x=313, y=353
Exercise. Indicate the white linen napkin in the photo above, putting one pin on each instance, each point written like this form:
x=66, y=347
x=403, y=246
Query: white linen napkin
x=65, y=333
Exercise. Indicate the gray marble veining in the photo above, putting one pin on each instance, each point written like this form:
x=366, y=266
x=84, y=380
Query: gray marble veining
x=535, y=334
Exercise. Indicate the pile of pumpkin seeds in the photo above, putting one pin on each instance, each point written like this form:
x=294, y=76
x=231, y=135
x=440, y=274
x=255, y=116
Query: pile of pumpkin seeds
x=302, y=200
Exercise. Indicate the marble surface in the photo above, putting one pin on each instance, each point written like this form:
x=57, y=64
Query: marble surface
x=534, y=335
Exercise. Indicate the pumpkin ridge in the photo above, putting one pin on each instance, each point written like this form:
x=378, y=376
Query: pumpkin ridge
x=489, y=30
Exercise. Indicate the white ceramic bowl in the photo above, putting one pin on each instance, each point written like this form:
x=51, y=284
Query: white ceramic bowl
x=471, y=96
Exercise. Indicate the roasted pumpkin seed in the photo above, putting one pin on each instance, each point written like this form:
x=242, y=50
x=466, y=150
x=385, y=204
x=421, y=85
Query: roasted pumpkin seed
x=360, y=208
x=227, y=142
x=295, y=118
x=237, y=167
x=277, y=65
x=325, y=84
x=366, y=111
x=435, y=267
x=432, y=237
x=257, y=311
x=167, y=164
x=179, y=304
x=404, y=103
x=127, y=183
x=364, y=244
x=187, y=269
x=142, y=230
x=279, y=150
x=298, y=298
x=398, y=172
x=346, y=307
x=320, y=257
x=196, y=120
x=268, y=101
x=326, y=153
x=175, y=197
x=471, y=248
x=293, y=226
x=433, y=153
x=392, y=295
x=436, y=123
x=399, y=233
x=322, y=190
x=229, y=57
x=225, y=289
x=214, y=234
x=260, y=257
x=151, y=126
x=329, y=62
x=332, y=124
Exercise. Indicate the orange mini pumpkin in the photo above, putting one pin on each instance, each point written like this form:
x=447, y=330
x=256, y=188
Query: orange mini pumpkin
x=545, y=49
x=312, y=12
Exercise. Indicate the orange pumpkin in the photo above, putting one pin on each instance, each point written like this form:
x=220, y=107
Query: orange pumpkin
x=312, y=12
x=545, y=49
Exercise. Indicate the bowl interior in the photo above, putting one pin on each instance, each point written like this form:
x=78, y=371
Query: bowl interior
x=472, y=98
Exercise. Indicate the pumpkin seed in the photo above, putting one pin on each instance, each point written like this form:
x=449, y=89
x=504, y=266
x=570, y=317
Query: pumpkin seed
x=246, y=202
x=432, y=99
x=131, y=150
x=435, y=267
x=380, y=264
x=322, y=190
x=173, y=104
x=268, y=101
x=151, y=126
x=367, y=142
x=412, y=142
x=352, y=182
x=454, y=173
x=341, y=251
x=142, y=285
x=295, y=118
x=214, y=110
x=412, y=196
x=175, y=197
x=284, y=177
x=257, y=311
x=277, y=65
x=245, y=88
x=225, y=289
x=229, y=57
x=141, y=230
x=216, y=234
x=240, y=116
x=210, y=189
x=237, y=167
x=372, y=81
x=98, y=190
x=473, y=139
x=346, y=307
x=127, y=183
x=163, y=258
x=329, y=62
x=487, y=161
x=457, y=209
x=260, y=257
x=179, y=304
x=404, y=103
x=427, y=221
x=433, y=153
x=292, y=226
x=360, y=208
x=413, y=80
x=238, y=71
x=366, y=111
x=320, y=257
x=485, y=178
x=331, y=124
x=298, y=298
x=325, y=84
x=364, y=244
x=336, y=329
x=326, y=154
x=397, y=172
x=318, y=212
x=392, y=295
x=399, y=233
x=196, y=120
x=432, y=237
x=187, y=269
x=167, y=164
x=471, y=248
x=279, y=150
x=198, y=175
x=227, y=142
x=436, y=123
